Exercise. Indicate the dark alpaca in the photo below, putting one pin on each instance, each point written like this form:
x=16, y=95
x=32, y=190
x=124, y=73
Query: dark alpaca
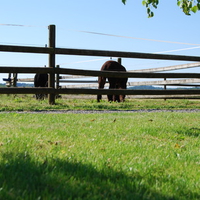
x=41, y=80
x=114, y=83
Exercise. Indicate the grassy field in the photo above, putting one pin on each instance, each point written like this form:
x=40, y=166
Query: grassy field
x=99, y=156
x=28, y=103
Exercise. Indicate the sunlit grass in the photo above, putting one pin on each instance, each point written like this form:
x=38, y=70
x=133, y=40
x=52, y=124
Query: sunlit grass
x=28, y=103
x=100, y=156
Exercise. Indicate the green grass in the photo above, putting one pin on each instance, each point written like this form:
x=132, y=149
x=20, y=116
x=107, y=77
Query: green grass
x=28, y=103
x=100, y=156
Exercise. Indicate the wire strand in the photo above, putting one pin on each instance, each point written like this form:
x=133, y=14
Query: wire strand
x=110, y=35
x=135, y=38
x=20, y=25
x=178, y=50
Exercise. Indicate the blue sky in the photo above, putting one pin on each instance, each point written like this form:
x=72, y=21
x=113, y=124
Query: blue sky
x=73, y=19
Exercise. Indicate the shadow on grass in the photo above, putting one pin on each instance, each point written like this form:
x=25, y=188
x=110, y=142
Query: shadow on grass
x=193, y=132
x=23, y=178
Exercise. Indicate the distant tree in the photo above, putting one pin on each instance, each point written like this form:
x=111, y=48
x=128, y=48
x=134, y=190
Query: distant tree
x=187, y=6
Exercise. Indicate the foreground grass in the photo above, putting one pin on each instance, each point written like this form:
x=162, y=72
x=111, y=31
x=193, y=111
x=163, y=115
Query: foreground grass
x=100, y=156
x=28, y=103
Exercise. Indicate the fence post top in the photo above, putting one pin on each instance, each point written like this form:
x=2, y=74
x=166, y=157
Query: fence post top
x=51, y=25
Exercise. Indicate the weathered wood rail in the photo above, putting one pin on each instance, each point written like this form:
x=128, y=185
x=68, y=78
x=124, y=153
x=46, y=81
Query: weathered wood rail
x=96, y=73
x=95, y=91
x=52, y=51
x=85, y=52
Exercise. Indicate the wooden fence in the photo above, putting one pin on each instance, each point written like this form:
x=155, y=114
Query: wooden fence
x=52, y=51
x=12, y=81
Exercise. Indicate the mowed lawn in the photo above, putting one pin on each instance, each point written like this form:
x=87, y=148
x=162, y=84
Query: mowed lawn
x=100, y=156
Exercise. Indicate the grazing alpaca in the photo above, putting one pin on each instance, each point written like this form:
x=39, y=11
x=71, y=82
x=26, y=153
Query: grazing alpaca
x=114, y=83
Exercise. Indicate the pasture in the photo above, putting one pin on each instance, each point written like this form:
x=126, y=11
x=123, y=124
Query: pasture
x=80, y=102
x=137, y=155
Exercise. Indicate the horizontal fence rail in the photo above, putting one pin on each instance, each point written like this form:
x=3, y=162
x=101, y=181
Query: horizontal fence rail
x=169, y=68
x=85, y=52
x=95, y=91
x=97, y=73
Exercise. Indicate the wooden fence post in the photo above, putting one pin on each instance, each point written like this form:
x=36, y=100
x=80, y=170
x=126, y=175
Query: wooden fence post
x=14, y=79
x=8, y=83
x=52, y=44
x=119, y=60
x=57, y=78
x=165, y=87
x=58, y=83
